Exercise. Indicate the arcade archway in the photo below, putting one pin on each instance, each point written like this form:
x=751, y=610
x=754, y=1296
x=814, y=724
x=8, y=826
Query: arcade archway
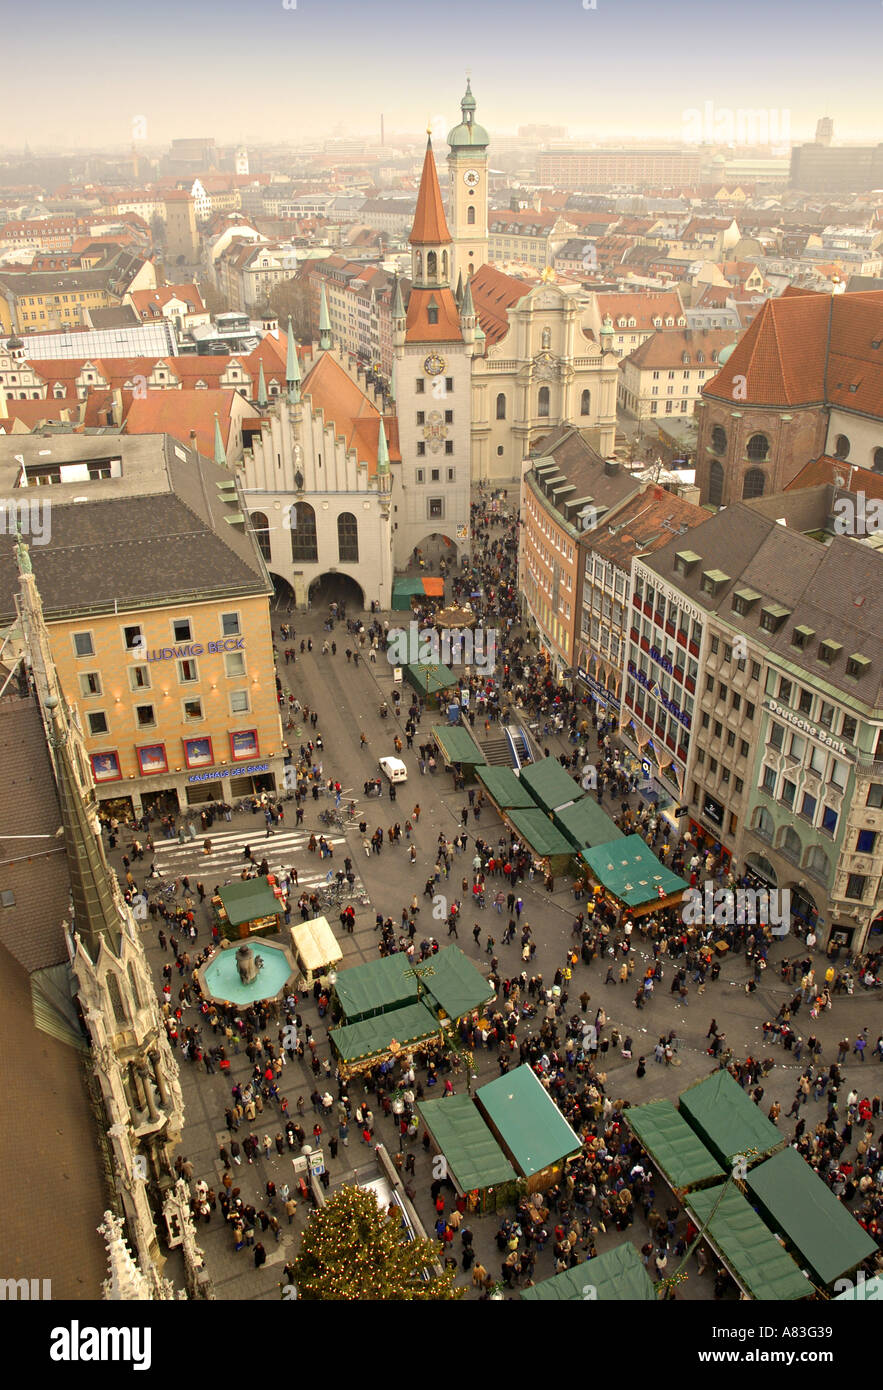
x=284, y=600
x=336, y=588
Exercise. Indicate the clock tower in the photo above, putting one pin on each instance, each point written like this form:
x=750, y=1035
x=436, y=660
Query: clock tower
x=467, y=167
x=433, y=343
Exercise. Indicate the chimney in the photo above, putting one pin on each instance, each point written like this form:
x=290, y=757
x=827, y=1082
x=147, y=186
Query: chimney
x=611, y=467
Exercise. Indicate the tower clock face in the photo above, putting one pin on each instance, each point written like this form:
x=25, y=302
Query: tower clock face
x=434, y=364
x=471, y=178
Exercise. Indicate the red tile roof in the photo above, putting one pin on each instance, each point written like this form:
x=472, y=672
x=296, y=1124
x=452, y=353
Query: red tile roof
x=430, y=224
x=418, y=329
x=826, y=469
x=178, y=412
x=806, y=348
x=493, y=294
x=343, y=402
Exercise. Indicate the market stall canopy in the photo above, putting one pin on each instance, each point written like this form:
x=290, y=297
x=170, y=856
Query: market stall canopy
x=455, y=616
x=474, y=1158
x=360, y=1042
x=549, y=785
x=617, y=1276
x=756, y=1258
x=727, y=1120
x=585, y=824
x=375, y=987
x=457, y=745
x=678, y=1153
x=504, y=788
x=412, y=586
x=795, y=1201
x=528, y=1122
x=539, y=833
x=629, y=870
x=428, y=678
x=316, y=945
x=456, y=985
x=249, y=899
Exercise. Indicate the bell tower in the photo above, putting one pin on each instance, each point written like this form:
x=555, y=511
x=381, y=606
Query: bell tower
x=467, y=167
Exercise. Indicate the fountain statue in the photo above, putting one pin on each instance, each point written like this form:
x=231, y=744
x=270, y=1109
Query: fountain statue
x=246, y=965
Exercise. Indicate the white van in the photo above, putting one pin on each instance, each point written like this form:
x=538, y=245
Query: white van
x=394, y=769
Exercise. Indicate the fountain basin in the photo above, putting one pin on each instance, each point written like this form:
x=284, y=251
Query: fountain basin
x=220, y=980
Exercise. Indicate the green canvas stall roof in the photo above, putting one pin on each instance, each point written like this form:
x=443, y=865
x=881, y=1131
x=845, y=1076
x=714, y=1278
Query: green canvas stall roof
x=248, y=899
x=629, y=870
x=372, y=988
x=474, y=1158
x=678, y=1153
x=505, y=788
x=527, y=1120
x=457, y=745
x=456, y=985
x=358, y=1042
x=549, y=785
x=726, y=1119
x=429, y=679
x=617, y=1276
x=802, y=1208
x=585, y=824
x=867, y=1291
x=411, y=586
x=763, y=1268
x=538, y=831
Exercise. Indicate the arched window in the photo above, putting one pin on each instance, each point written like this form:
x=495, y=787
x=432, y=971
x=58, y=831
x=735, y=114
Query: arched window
x=470, y=216
x=444, y=265
x=585, y=403
x=133, y=985
x=758, y=447
x=719, y=440
x=261, y=528
x=764, y=824
x=543, y=402
x=348, y=538
x=304, y=545
x=817, y=862
x=790, y=844
x=112, y=985
x=431, y=265
x=501, y=406
x=419, y=265
x=877, y=464
x=841, y=447
x=753, y=483
x=715, y=483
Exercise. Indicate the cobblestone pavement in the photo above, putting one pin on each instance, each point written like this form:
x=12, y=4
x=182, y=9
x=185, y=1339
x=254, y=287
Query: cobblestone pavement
x=348, y=701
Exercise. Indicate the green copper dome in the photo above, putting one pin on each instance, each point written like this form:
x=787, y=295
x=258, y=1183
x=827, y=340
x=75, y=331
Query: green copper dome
x=467, y=134
x=725, y=354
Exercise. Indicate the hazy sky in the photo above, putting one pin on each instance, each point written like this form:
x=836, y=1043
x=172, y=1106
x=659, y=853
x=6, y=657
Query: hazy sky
x=253, y=70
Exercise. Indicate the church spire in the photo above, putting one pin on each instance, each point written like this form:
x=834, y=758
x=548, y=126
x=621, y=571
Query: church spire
x=430, y=224
x=324, y=324
x=382, y=450
x=262, y=389
x=220, y=455
x=292, y=368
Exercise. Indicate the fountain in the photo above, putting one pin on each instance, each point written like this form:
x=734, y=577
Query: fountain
x=240, y=977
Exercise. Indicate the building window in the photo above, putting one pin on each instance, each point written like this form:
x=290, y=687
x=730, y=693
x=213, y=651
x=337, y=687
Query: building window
x=421, y=450
x=449, y=446
x=435, y=508
x=182, y=630
x=420, y=386
x=421, y=417
x=585, y=403
x=304, y=545
x=501, y=406
x=230, y=625
x=187, y=672
x=192, y=710
x=449, y=384
x=144, y=716
x=875, y=796
x=133, y=638
x=97, y=721
x=470, y=216
x=543, y=403
x=90, y=684
x=139, y=678
x=419, y=475
x=758, y=448
x=238, y=701
x=855, y=887
x=829, y=821
x=719, y=440
x=715, y=483
x=348, y=538
x=841, y=447
x=261, y=528
x=753, y=483
x=234, y=664
x=866, y=841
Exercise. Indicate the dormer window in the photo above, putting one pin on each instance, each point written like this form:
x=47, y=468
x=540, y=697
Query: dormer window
x=772, y=616
x=432, y=311
x=801, y=637
x=829, y=651
x=713, y=580
x=857, y=665
x=669, y=322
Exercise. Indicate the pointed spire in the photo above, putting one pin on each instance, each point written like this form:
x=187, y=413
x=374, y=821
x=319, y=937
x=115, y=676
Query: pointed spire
x=125, y=1281
x=220, y=455
x=467, y=308
x=382, y=449
x=95, y=911
x=262, y=389
x=398, y=307
x=324, y=324
x=292, y=367
x=430, y=224
x=459, y=291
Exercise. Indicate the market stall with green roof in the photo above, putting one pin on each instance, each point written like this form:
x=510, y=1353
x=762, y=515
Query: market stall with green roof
x=678, y=1153
x=505, y=790
x=458, y=748
x=384, y=1037
x=549, y=785
x=430, y=680
x=632, y=877
x=617, y=1276
x=474, y=1160
x=528, y=1126
x=748, y=1248
x=541, y=837
x=727, y=1120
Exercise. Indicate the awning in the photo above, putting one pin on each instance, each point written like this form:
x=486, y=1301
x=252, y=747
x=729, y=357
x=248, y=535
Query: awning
x=474, y=1158
x=456, y=985
x=527, y=1121
x=727, y=1120
x=316, y=945
x=678, y=1153
x=753, y=1254
x=549, y=785
x=617, y=1276
x=457, y=745
x=629, y=870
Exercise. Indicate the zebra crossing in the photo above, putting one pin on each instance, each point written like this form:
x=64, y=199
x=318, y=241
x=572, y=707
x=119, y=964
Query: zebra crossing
x=285, y=849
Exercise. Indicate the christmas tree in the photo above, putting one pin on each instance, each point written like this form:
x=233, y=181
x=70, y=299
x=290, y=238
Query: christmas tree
x=351, y=1250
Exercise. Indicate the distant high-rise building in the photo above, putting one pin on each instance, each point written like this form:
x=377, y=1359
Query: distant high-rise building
x=566, y=166
x=817, y=168
x=241, y=160
x=824, y=130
